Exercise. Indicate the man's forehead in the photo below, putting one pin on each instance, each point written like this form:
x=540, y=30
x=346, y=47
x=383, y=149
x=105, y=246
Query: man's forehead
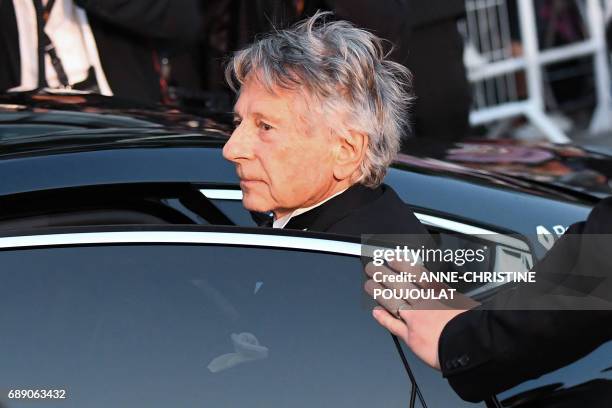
x=255, y=98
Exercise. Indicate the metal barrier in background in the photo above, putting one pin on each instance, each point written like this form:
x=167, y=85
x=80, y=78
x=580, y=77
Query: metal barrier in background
x=492, y=65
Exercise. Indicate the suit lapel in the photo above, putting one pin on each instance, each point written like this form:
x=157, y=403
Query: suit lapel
x=323, y=217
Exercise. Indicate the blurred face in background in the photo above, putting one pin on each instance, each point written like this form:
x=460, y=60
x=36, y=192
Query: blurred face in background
x=285, y=155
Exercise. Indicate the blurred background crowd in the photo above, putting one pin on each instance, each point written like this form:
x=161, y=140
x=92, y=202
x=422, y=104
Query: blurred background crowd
x=527, y=69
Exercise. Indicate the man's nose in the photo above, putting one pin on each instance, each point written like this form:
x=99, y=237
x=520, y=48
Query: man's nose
x=239, y=145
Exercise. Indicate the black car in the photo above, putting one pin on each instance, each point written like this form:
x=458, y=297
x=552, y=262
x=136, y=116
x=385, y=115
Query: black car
x=132, y=275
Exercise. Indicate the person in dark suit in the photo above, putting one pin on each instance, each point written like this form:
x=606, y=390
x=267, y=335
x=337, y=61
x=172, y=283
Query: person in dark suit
x=427, y=41
x=421, y=35
x=318, y=120
x=110, y=46
x=525, y=332
x=433, y=51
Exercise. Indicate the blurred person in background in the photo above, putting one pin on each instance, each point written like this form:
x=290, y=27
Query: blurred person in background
x=432, y=48
x=105, y=46
x=424, y=36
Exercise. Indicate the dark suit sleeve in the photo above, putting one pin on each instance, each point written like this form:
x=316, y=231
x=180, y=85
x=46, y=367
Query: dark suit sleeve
x=157, y=19
x=486, y=350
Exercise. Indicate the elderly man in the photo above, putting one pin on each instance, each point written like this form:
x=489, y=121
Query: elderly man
x=318, y=120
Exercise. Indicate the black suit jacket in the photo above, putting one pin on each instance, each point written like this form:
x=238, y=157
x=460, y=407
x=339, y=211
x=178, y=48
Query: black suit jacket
x=361, y=210
x=484, y=352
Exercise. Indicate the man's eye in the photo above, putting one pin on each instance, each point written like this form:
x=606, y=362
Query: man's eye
x=264, y=126
x=237, y=122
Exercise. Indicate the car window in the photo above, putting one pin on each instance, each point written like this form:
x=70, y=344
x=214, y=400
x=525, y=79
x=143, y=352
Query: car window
x=235, y=211
x=502, y=252
x=115, y=204
x=199, y=325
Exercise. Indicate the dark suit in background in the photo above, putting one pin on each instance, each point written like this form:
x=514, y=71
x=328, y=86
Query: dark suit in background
x=435, y=57
x=424, y=33
x=428, y=43
x=484, y=352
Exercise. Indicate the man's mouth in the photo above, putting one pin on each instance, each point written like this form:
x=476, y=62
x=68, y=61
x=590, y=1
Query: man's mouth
x=249, y=182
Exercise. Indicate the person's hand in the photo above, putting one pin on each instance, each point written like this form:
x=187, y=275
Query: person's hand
x=419, y=324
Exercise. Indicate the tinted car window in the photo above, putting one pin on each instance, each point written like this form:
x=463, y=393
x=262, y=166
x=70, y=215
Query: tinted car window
x=161, y=326
x=235, y=211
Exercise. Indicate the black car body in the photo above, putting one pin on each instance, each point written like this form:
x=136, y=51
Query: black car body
x=133, y=276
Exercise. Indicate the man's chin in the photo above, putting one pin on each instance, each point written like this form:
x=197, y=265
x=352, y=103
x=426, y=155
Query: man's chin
x=255, y=204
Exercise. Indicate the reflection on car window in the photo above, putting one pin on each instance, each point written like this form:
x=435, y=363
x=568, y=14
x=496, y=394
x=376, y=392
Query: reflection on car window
x=195, y=326
x=235, y=211
x=584, y=383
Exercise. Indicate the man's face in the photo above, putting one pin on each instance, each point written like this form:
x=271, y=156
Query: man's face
x=283, y=154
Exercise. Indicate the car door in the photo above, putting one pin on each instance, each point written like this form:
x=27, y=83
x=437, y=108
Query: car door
x=195, y=317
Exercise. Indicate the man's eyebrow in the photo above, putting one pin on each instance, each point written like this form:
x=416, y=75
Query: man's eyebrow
x=259, y=115
x=267, y=116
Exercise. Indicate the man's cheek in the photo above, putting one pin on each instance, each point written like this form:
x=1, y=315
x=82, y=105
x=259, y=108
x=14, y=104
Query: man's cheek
x=280, y=184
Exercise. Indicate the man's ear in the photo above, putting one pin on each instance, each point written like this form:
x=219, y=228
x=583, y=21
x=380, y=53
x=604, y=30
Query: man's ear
x=350, y=149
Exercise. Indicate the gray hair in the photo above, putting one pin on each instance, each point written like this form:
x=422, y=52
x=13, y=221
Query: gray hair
x=346, y=69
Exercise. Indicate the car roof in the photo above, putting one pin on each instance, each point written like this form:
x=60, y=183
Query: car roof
x=34, y=122
x=96, y=111
x=571, y=168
